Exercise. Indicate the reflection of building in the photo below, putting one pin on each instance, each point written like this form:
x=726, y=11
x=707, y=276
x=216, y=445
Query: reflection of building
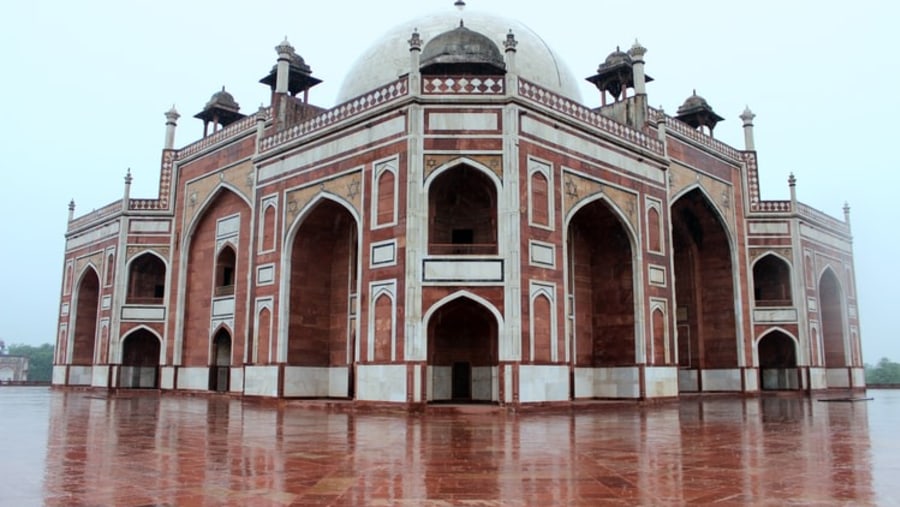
x=13, y=368
x=465, y=231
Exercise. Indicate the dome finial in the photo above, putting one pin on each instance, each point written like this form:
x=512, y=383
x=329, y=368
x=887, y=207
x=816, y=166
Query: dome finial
x=460, y=5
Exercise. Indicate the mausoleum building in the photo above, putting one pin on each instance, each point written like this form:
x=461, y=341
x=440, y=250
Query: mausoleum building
x=462, y=227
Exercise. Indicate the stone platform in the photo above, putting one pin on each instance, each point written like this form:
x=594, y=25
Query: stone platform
x=131, y=449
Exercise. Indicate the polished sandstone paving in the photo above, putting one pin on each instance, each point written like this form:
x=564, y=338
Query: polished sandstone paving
x=140, y=449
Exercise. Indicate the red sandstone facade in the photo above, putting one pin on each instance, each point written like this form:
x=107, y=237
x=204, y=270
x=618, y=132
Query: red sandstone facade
x=460, y=233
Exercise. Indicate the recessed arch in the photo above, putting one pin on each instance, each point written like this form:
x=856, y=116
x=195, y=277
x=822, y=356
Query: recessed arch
x=832, y=312
x=319, y=289
x=140, y=357
x=147, y=274
x=705, y=284
x=462, y=210
x=463, y=349
x=776, y=351
x=220, y=360
x=87, y=309
x=772, y=280
x=224, y=218
x=602, y=281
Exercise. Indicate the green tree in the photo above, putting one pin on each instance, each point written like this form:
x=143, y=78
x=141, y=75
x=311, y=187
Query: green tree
x=40, y=360
x=885, y=372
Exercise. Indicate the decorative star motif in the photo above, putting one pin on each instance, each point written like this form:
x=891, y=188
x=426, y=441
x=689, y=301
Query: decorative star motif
x=571, y=188
x=430, y=162
x=353, y=189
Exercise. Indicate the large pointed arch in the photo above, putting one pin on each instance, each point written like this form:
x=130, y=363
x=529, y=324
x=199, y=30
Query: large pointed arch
x=82, y=345
x=706, y=287
x=196, y=278
x=284, y=306
x=598, y=340
x=832, y=310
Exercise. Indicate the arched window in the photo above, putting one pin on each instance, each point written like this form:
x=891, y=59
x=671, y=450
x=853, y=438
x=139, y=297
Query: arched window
x=146, y=280
x=462, y=213
x=225, y=274
x=772, y=282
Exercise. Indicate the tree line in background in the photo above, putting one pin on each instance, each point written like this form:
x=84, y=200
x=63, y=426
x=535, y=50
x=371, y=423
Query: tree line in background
x=40, y=364
x=40, y=359
x=885, y=372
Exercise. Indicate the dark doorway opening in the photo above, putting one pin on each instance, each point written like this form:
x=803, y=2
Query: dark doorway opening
x=461, y=375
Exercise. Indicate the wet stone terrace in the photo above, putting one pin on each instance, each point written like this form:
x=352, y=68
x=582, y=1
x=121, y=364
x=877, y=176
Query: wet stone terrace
x=140, y=449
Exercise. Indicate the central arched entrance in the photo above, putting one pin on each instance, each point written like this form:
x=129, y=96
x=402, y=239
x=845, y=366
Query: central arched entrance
x=462, y=357
x=140, y=361
x=777, y=362
x=220, y=371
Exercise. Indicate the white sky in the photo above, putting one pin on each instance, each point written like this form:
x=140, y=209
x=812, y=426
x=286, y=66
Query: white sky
x=85, y=85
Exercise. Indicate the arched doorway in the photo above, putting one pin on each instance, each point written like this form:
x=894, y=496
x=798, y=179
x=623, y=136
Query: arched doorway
x=777, y=354
x=220, y=370
x=704, y=290
x=140, y=360
x=831, y=307
x=601, y=286
x=462, y=352
x=323, y=291
x=86, y=319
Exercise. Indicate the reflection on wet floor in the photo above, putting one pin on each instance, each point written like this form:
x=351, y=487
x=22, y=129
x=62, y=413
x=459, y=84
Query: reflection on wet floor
x=143, y=449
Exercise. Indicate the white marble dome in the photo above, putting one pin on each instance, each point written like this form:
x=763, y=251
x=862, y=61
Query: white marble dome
x=388, y=58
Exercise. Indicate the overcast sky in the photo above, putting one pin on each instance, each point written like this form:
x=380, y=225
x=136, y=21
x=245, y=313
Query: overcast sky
x=85, y=84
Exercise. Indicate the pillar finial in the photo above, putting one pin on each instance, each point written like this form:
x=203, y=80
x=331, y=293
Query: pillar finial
x=71, y=209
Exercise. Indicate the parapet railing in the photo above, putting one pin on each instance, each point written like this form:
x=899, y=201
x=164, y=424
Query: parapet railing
x=349, y=109
x=582, y=113
x=232, y=130
x=816, y=216
x=96, y=215
x=693, y=134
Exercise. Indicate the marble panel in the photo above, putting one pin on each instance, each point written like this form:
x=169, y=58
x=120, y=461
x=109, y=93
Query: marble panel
x=194, y=378
x=722, y=380
x=543, y=383
x=261, y=381
x=381, y=382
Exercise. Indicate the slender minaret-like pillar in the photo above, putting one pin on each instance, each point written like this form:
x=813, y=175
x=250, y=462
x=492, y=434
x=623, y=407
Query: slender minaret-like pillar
x=747, y=117
x=171, y=122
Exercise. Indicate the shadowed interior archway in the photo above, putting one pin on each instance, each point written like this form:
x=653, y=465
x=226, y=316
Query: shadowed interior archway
x=220, y=370
x=831, y=306
x=323, y=291
x=772, y=282
x=462, y=352
x=140, y=360
x=704, y=289
x=86, y=311
x=601, y=286
x=777, y=354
